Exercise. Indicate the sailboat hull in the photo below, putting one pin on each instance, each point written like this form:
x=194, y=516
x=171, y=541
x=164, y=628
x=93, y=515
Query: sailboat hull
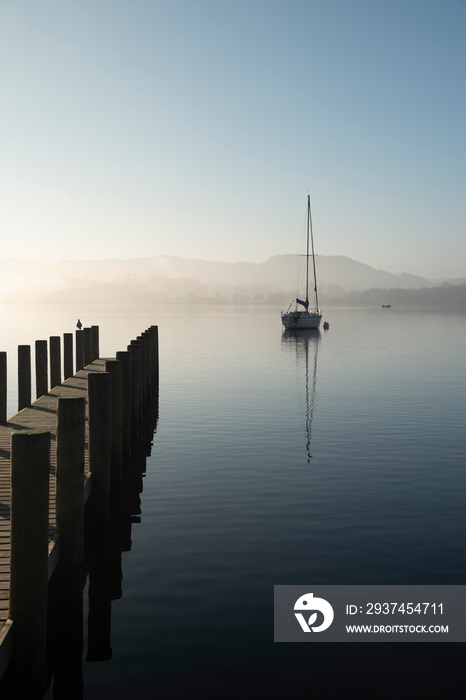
x=301, y=319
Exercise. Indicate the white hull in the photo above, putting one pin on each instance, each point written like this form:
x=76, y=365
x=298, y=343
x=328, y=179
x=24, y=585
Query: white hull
x=301, y=319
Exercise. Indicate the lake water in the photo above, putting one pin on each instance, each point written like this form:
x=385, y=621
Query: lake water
x=334, y=457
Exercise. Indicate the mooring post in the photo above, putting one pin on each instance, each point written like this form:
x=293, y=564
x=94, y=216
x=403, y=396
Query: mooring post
x=135, y=350
x=24, y=376
x=100, y=437
x=146, y=341
x=144, y=360
x=70, y=491
x=88, y=354
x=155, y=340
x=100, y=454
x=124, y=358
x=79, y=350
x=3, y=386
x=95, y=342
x=68, y=355
x=113, y=367
x=55, y=361
x=41, y=368
x=30, y=464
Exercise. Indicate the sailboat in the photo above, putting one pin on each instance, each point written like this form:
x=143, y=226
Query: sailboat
x=307, y=318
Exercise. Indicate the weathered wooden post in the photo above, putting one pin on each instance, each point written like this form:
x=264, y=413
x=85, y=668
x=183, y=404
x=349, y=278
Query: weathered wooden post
x=124, y=358
x=143, y=339
x=79, y=350
x=135, y=350
x=30, y=464
x=137, y=432
x=70, y=489
x=68, y=355
x=88, y=354
x=55, y=361
x=41, y=368
x=100, y=451
x=100, y=441
x=95, y=342
x=113, y=367
x=3, y=386
x=65, y=601
x=155, y=335
x=24, y=376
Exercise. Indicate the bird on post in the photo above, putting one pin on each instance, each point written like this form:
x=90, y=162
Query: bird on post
x=79, y=324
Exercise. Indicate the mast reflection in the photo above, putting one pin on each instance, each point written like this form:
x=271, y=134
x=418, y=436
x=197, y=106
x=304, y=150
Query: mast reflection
x=306, y=342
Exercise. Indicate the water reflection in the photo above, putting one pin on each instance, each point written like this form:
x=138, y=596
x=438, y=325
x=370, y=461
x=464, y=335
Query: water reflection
x=305, y=342
x=105, y=540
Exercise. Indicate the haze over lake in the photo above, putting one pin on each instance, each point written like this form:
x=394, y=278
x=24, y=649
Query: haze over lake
x=335, y=457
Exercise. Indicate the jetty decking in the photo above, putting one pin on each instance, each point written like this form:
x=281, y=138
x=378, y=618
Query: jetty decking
x=42, y=415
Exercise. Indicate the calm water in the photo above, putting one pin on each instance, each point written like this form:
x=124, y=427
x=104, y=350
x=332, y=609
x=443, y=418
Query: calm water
x=331, y=457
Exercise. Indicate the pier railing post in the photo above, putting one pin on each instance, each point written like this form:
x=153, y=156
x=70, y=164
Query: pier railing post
x=135, y=351
x=55, y=361
x=68, y=355
x=41, y=368
x=113, y=367
x=100, y=436
x=88, y=354
x=79, y=350
x=70, y=492
x=100, y=454
x=24, y=376
x=30, y=465
x=155, y=330
x=3, y=386
x=124, y=358
x=95, y=342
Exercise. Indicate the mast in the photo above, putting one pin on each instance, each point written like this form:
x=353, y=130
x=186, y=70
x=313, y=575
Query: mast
x=307, y=250
x=313, y=255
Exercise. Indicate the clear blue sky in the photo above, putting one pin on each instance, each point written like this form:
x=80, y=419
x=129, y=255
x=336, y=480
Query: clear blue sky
x=197, y=127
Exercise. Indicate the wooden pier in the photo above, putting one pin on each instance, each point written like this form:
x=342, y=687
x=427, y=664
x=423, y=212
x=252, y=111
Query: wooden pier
x=95, y=423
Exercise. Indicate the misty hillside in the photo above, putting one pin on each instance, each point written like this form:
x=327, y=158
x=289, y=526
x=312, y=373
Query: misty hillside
x=170, y=278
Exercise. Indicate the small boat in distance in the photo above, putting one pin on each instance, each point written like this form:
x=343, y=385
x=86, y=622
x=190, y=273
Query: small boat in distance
x=305, y=319
x=386, y=306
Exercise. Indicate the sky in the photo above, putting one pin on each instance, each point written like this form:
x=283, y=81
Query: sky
x=198, y=127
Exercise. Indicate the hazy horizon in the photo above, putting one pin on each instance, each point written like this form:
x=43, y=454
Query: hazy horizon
x=174, y=128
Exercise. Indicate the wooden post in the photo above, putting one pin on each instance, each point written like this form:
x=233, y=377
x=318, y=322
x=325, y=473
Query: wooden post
x=95, y=342
x=79, y=350
x=124, y=358
x=100, y=451
x=55, y=361
x=24, y=376
x=88, y=354
x=30, y=464
x=155, y=335
x=113, y=367
x=100, y=436
x=135, y=350
x=141, y=339
x=68, y=355
x=70, y=491
x=41, y=368
x=3, y=386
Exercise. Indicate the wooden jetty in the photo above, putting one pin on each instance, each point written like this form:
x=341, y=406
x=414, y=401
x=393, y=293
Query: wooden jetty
x=63, y=459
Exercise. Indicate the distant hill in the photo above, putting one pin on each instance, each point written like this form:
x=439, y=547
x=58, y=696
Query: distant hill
x=170, y=278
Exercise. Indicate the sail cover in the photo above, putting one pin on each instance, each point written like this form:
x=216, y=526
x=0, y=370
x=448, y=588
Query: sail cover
x=303, y=303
